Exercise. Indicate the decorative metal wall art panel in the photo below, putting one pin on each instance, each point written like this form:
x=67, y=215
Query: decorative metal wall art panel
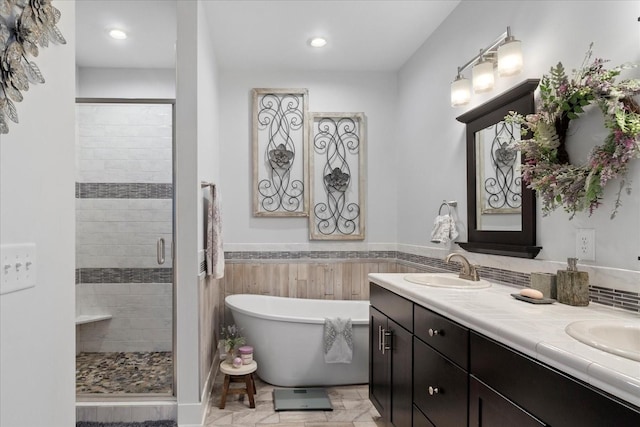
x=336, y=168
x=500, y=183
x=279, y=161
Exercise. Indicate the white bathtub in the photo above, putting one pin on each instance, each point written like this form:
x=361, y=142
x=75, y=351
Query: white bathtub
x=286, y=334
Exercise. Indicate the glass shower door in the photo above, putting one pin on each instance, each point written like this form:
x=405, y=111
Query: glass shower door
x=124, y=233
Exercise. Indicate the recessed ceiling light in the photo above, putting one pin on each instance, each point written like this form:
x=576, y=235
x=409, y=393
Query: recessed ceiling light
x=117, y=34
x=318, y=42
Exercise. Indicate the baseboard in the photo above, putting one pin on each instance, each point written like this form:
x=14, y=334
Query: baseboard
x=194, y=415
x=191, y=414
x=211, y=377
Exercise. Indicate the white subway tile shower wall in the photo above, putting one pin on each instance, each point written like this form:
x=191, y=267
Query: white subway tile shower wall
x=113, y=145
x=141, y=313
x=122, y=232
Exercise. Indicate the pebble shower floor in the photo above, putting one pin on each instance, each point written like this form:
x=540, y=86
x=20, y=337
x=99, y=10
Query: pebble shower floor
x=124, y=372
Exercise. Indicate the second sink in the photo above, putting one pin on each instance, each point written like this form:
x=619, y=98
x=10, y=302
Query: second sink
x=620, y=337
x=445, y=280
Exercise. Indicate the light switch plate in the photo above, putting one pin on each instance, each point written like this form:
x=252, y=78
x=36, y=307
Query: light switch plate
x=17, y=267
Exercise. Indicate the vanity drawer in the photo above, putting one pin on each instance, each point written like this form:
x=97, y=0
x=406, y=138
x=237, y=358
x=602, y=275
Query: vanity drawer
x=550, y=395
x=444, y=335
x=394, y=306
x=440, y=388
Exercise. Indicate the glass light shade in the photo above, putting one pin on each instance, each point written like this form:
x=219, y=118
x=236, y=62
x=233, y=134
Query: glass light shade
x=460, y=91
x=117, y=34
x=510, y=58
x=318, y=42
x=482, y=75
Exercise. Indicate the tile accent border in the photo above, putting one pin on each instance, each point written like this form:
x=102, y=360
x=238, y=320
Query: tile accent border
x=306, y=255
x=615, y=298
x=611, y=297
x=124, y=275
x=108, y=190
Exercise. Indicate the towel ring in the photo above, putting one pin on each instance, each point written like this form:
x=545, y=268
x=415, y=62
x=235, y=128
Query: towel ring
x=449, y=205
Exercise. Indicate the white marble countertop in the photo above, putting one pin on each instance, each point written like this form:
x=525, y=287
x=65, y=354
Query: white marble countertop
x=536, y=330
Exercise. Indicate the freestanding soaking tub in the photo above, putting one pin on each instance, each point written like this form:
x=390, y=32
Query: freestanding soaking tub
x=287, y=335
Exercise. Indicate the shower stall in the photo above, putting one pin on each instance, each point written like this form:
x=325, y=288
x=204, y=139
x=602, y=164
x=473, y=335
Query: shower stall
x=124, y=234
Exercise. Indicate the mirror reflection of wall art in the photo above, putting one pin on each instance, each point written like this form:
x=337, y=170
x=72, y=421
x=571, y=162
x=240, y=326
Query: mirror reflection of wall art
x=500, y=184
x=279, y=162
x=336, y=164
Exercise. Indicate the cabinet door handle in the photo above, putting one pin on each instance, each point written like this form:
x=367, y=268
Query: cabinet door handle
x=379, y=337
x=433, y=390
x=385, y=344
x=434, y=332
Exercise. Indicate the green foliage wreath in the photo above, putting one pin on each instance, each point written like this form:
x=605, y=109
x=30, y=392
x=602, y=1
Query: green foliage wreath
x=546, y=167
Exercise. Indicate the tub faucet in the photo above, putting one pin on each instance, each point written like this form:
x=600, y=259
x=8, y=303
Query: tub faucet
x=468, y=271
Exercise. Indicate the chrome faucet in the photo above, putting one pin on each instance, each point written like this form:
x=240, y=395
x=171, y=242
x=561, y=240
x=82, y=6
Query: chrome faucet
x=468, y=271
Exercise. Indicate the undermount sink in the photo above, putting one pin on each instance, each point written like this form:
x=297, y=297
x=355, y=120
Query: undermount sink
x=620, y=337
x=445, y=280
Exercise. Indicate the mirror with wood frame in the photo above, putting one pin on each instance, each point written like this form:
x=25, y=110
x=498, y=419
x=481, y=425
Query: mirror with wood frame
x=501, y=210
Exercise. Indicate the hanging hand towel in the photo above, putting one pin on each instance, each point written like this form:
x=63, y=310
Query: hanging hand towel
x=444, y=229
x=215, y=253
x=338, y=340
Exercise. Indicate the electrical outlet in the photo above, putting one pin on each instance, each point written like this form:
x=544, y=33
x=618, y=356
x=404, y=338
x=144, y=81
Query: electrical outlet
x=586, y=244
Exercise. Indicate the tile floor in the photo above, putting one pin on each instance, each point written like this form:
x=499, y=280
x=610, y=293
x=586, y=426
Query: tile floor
x=139, y=372
x=351, y=408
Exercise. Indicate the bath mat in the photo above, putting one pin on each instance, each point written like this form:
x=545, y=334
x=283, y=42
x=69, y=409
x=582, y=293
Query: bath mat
x=161, y=423
x=301, y=399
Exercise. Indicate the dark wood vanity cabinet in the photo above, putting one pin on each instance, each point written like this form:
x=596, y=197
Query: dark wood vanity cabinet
x=439, y=387
x=390, y=356
x=440, y=363
x=428, y=371
x=488, y=408
x=554, y=398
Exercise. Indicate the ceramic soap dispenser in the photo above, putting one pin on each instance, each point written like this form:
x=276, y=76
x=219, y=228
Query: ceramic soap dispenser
x=573, y=285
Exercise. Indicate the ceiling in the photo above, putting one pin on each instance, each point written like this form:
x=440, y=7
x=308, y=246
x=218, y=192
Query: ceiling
x=262, y=34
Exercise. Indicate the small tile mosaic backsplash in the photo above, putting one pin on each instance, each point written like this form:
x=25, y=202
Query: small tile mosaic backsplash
x=611, y=297
x=123, y=190
x=615, y=298
x=301, y=255
x=124, y=275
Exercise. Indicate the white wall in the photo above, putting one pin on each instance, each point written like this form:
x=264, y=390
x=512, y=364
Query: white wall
x=37, y=205
x=196, y=160
x=126, y=83
x=208, y=117
x=373, y=93
x=431, y=142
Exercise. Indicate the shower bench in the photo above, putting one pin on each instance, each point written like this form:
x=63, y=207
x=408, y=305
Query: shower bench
x=90, y=318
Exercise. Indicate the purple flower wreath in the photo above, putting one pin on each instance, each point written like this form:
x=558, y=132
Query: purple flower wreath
x=546, y=167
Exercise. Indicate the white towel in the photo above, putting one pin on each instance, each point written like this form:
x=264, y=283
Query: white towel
x=338, y=340
x=444, y=229
x=215, y=253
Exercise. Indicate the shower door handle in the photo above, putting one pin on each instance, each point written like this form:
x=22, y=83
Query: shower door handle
x=160, y=250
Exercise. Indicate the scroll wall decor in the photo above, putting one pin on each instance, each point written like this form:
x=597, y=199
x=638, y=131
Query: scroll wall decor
x=500, y=179
x=279, y=161
x=336, y=163
x=24, y=25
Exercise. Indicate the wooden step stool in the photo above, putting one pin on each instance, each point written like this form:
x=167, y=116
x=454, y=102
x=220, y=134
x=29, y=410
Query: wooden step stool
x=243, y=374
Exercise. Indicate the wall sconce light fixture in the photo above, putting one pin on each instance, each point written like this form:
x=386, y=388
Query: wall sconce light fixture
x=505, y=53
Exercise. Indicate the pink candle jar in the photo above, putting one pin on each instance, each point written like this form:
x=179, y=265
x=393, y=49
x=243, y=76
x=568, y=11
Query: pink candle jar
x=246, y=353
